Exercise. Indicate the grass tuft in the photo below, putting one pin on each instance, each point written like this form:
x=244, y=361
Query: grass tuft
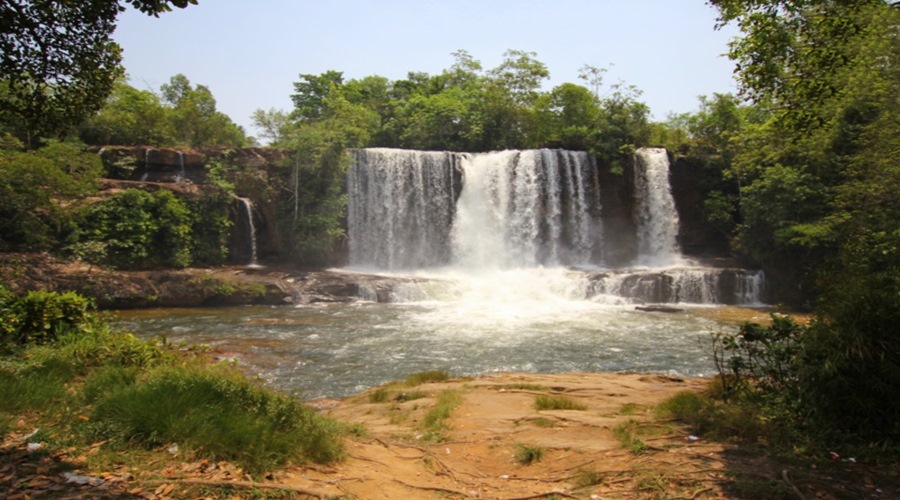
x=557, y=403
x=528, y=454
x=427, y=376
x=447, y=401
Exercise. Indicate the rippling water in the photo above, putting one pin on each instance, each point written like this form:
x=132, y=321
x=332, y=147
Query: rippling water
x=336, y=350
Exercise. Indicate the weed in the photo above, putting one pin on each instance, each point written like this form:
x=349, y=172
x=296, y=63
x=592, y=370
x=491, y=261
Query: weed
x=628, y=435
x=410, y=396
x=630, y=409
x=543, y=422
x=427, y=376
x=528, y=454
x=523, y=387
x=557, y=403
x=586, y=478
x=220, y=413
x=380, y=395
x=447, y=400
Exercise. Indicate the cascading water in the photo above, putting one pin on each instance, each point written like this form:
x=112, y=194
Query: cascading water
x=657, y=219
x=525, y=209
x=401, y=208
x=182, y=175
x=512, y=228
x=247, y=203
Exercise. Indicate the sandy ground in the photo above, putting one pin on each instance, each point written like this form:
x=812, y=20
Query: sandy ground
x=581, y=454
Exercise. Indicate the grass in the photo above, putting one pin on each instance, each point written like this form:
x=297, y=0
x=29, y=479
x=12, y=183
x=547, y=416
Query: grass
x=711, y=418
x=629, y=436
x=426, y=376
x=443, y=408
x=585, y=478
x=557, y=403
x=528, y=454
x=543, y=422
x=221, y=414
x=95, y=384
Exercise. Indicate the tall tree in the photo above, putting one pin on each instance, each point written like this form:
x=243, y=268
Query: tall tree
x=819, y=191
x=58, y=61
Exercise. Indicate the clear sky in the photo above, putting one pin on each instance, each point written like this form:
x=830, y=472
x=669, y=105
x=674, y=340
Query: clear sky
x=250, y=53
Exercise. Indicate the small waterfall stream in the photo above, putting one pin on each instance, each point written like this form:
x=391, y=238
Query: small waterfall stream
x=247, y=203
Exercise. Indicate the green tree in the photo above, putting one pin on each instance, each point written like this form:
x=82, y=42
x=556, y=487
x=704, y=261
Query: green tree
x=58, y=62
x=195, y=120
x=129, y=117
x=273, y=123
x=39, y=191
x=310, y=93
x=819, y=181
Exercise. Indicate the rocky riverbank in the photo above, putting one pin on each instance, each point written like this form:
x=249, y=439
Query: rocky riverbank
x=192, y=287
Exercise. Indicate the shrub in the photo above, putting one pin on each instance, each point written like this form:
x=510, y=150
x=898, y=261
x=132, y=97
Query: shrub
x=40, y=317
x=142, y=230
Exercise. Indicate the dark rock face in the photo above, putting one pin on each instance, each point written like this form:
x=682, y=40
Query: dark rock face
x=697, y=237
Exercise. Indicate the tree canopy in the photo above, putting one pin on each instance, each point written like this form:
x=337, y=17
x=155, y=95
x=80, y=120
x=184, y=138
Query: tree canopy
x=58, y=62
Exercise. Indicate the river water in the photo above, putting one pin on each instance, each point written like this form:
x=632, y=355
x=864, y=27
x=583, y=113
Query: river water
x=466, y=328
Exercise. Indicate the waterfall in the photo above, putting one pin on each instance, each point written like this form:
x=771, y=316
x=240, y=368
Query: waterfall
x=525, y=209
x=182, y=174
x=525, y=226
x=514, y=209
x=655, y=214
x=401, y=206
x=248, y=209
x=146, y=165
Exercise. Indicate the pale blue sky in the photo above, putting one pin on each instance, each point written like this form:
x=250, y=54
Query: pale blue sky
x=250, y=53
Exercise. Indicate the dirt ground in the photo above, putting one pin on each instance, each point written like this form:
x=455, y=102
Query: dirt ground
x=612, y=448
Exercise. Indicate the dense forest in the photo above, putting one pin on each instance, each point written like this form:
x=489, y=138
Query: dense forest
x=800, y=167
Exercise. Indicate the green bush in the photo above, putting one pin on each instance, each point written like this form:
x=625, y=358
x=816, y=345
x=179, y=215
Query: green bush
x=40, y=317
x=142, y=229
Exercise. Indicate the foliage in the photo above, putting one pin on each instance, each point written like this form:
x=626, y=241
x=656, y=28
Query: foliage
x=142, y=230
x=426, y=377
x=38, y=194
x=218, y=412
x=211, y=225
x=129, y=117
x=40, y=317
x=465, y=108
x=58, y=62
x=447, y=401
x=195, y=120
